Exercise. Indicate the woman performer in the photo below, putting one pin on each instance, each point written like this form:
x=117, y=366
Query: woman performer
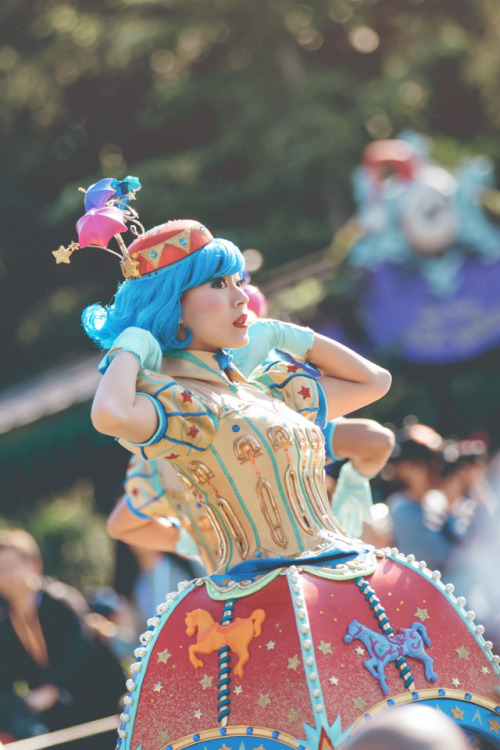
x=156, y=511
x=261, y=652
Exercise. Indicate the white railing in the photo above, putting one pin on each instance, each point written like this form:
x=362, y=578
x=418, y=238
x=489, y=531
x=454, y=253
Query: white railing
x=42, y=741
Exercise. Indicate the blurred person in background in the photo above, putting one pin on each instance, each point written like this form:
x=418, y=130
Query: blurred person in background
x=54, y=672
x=422, y=522
x=112, y=619
x=465, y=485
x=473, y=566
x=159, y=573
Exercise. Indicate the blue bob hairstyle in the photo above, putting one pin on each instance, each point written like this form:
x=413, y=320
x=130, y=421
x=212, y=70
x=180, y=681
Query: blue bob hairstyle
x=154, y=302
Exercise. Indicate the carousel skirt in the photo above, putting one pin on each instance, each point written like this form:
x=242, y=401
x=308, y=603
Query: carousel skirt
x=304, y=655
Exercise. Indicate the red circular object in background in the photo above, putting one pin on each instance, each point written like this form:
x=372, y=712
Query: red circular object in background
x=257, y=302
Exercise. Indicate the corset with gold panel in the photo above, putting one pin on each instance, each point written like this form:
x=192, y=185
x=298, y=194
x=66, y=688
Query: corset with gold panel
x=251, y=457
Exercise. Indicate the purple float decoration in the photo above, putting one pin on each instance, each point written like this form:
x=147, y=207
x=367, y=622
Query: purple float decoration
x=97, y=195
x=383, y=649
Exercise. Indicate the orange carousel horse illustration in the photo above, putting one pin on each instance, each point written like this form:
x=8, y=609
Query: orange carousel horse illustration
x=237, y=635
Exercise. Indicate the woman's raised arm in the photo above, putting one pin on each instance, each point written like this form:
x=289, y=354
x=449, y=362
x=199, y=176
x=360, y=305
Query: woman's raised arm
x=117, y=409
x=349, y=380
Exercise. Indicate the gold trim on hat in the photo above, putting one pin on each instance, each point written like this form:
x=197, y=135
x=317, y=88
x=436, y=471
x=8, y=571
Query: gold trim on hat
x=147, y=254
x=176, y=240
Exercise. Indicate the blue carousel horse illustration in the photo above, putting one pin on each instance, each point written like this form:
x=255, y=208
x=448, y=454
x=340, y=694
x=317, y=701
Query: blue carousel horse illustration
x=384, y=649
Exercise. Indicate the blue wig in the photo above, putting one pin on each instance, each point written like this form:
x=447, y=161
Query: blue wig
x=154, y=301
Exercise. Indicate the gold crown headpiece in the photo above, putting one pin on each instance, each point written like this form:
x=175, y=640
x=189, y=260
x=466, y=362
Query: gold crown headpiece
x=108, y=214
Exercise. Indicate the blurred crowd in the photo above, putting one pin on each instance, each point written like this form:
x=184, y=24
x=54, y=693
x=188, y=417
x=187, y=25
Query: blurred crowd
x=441, y=503
x=64, y=657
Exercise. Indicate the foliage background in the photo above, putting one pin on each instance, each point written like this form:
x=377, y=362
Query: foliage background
x=247, y=114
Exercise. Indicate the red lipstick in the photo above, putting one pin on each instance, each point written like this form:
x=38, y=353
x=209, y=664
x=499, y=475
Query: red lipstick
x=241, y=322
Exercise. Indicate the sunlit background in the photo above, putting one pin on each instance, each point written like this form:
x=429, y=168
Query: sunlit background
x=252, y=116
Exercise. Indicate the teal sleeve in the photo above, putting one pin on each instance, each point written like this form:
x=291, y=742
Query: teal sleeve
x=329, y=432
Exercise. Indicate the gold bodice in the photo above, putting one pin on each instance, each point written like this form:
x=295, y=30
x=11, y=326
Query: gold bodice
x=249, y=453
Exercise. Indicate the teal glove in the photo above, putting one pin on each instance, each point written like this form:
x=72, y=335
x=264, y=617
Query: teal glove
x=186, y=546
x=266, y=335
x=139, y=342
x=352, y=500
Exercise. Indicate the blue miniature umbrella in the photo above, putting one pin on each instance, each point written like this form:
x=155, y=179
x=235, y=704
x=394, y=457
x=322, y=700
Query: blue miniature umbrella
x=124, y=187
x=99, y=193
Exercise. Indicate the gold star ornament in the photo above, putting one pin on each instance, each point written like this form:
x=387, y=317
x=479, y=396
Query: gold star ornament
x=130, y=267
x=206, y=681
x=62, y=254
x=264, y=700
x=494, y=725
x=422, y=614
x=163, y=656
x=457, y=713
x=325, y=648
x=359, y=703
x=462, y=653
x=293, y=662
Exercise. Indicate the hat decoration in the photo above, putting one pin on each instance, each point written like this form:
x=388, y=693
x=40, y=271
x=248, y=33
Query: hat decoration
x=108, y=215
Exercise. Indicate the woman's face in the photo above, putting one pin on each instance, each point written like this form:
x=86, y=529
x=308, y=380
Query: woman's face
x=216, y=314
x=18, y=574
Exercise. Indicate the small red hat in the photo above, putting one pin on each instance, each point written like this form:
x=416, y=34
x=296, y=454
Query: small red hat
x=164, y=245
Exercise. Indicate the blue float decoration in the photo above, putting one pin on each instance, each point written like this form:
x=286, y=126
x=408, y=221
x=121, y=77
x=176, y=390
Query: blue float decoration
x=428, y=254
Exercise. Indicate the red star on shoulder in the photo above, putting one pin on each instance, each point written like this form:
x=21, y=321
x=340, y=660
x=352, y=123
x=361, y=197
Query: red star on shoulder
x=193, y=431
x=292, y=368
x=172, y=456
x=305, y=392
x=186, y=396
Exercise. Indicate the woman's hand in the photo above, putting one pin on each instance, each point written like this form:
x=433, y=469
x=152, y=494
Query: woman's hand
x=139, y=342
x=266, y=335
x=42, y=698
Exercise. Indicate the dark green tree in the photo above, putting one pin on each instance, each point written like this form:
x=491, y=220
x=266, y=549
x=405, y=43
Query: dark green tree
x=248, y=114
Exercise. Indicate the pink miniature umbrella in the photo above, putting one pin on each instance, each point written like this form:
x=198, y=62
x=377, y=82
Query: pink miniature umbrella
x=98, y=225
